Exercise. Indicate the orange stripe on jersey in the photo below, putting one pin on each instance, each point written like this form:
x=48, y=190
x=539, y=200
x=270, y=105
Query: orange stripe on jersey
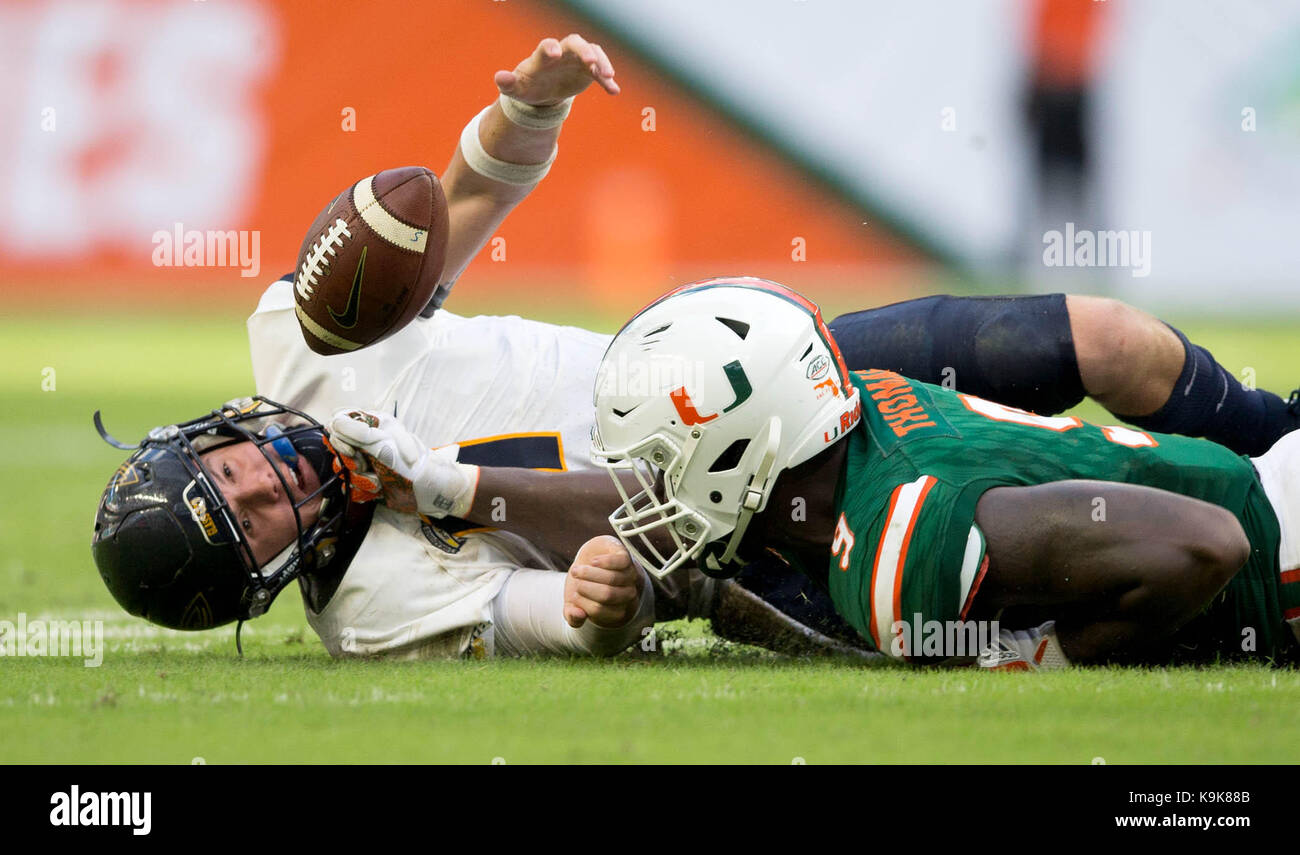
x=902, y=555
x=875, y=564
x=1291, y=614
x=1291, y=576
x=975, y=586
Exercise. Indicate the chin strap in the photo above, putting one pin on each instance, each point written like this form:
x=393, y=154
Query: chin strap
x=755, y=492
x=109, y=438
x=239, y=647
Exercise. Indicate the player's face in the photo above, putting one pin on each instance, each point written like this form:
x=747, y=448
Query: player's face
x=257, y=496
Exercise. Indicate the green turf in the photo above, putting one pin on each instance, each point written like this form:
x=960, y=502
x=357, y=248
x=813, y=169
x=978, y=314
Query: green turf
x=169, y=697
x=168, y=705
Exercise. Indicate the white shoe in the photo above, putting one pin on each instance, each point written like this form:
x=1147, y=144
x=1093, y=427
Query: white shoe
x=1024, y=650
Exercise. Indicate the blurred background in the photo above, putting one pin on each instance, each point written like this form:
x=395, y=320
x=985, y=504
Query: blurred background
x=860, y=151
x=856, y=149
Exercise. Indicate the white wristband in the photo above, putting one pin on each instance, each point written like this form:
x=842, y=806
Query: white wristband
x=536, y=118
x=519, y=174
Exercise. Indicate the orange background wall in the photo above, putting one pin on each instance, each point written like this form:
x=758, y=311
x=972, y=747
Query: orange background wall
x=624, y=214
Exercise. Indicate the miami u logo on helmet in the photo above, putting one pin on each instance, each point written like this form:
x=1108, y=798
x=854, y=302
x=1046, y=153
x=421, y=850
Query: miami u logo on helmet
x=740, y=387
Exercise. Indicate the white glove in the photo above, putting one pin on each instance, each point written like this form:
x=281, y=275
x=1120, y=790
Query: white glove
x=413, y=478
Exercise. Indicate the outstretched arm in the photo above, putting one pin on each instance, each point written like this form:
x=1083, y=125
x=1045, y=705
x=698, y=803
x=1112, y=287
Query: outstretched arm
x=476, y=204
x=1131, y=563
x=559, y=511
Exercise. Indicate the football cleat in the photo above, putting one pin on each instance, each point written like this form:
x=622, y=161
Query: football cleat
x=1024, y=650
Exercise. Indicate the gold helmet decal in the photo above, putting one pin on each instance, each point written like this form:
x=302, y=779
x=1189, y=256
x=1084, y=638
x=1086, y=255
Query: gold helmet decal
x=199, y=511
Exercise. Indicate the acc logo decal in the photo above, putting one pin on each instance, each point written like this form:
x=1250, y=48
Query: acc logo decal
x=818, y=367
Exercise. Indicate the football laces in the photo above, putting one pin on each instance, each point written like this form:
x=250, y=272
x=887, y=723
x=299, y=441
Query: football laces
x=316, y=264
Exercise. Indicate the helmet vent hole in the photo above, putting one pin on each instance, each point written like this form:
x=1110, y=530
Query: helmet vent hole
x=730, y=458
x=806, y=352
x=740, y=328
x=715, y=497
x=657, y=331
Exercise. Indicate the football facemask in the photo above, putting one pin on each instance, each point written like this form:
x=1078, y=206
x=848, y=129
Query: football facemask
x=166, y=540
x=660, y=529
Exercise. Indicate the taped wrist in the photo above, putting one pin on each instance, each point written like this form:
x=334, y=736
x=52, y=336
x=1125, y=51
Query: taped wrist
x=518, y=174
x=533, y=117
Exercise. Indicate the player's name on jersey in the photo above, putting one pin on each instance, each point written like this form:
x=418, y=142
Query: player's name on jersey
x=897, y=402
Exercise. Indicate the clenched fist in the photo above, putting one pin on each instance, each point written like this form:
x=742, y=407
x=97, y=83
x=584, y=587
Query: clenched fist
x=603, y=585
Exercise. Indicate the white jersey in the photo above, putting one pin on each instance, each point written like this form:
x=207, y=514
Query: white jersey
x=448, y=378
x=403, y=596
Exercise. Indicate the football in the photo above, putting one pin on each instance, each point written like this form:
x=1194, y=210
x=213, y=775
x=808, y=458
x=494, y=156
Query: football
x=371, y=260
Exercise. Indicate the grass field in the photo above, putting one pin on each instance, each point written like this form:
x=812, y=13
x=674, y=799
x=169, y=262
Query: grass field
x=171, y=697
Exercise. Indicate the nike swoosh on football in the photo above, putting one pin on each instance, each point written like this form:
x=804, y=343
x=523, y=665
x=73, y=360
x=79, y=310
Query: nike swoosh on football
x=348, y=319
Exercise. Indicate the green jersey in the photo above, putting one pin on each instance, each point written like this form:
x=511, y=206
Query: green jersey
x=906, y=547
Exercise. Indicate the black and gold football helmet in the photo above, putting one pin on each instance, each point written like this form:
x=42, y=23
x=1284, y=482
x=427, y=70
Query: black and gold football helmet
x=166, y=541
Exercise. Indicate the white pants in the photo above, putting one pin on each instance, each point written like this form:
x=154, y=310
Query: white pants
x=1279, y=472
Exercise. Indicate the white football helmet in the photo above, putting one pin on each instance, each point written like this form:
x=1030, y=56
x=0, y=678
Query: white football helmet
x=707, y=395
